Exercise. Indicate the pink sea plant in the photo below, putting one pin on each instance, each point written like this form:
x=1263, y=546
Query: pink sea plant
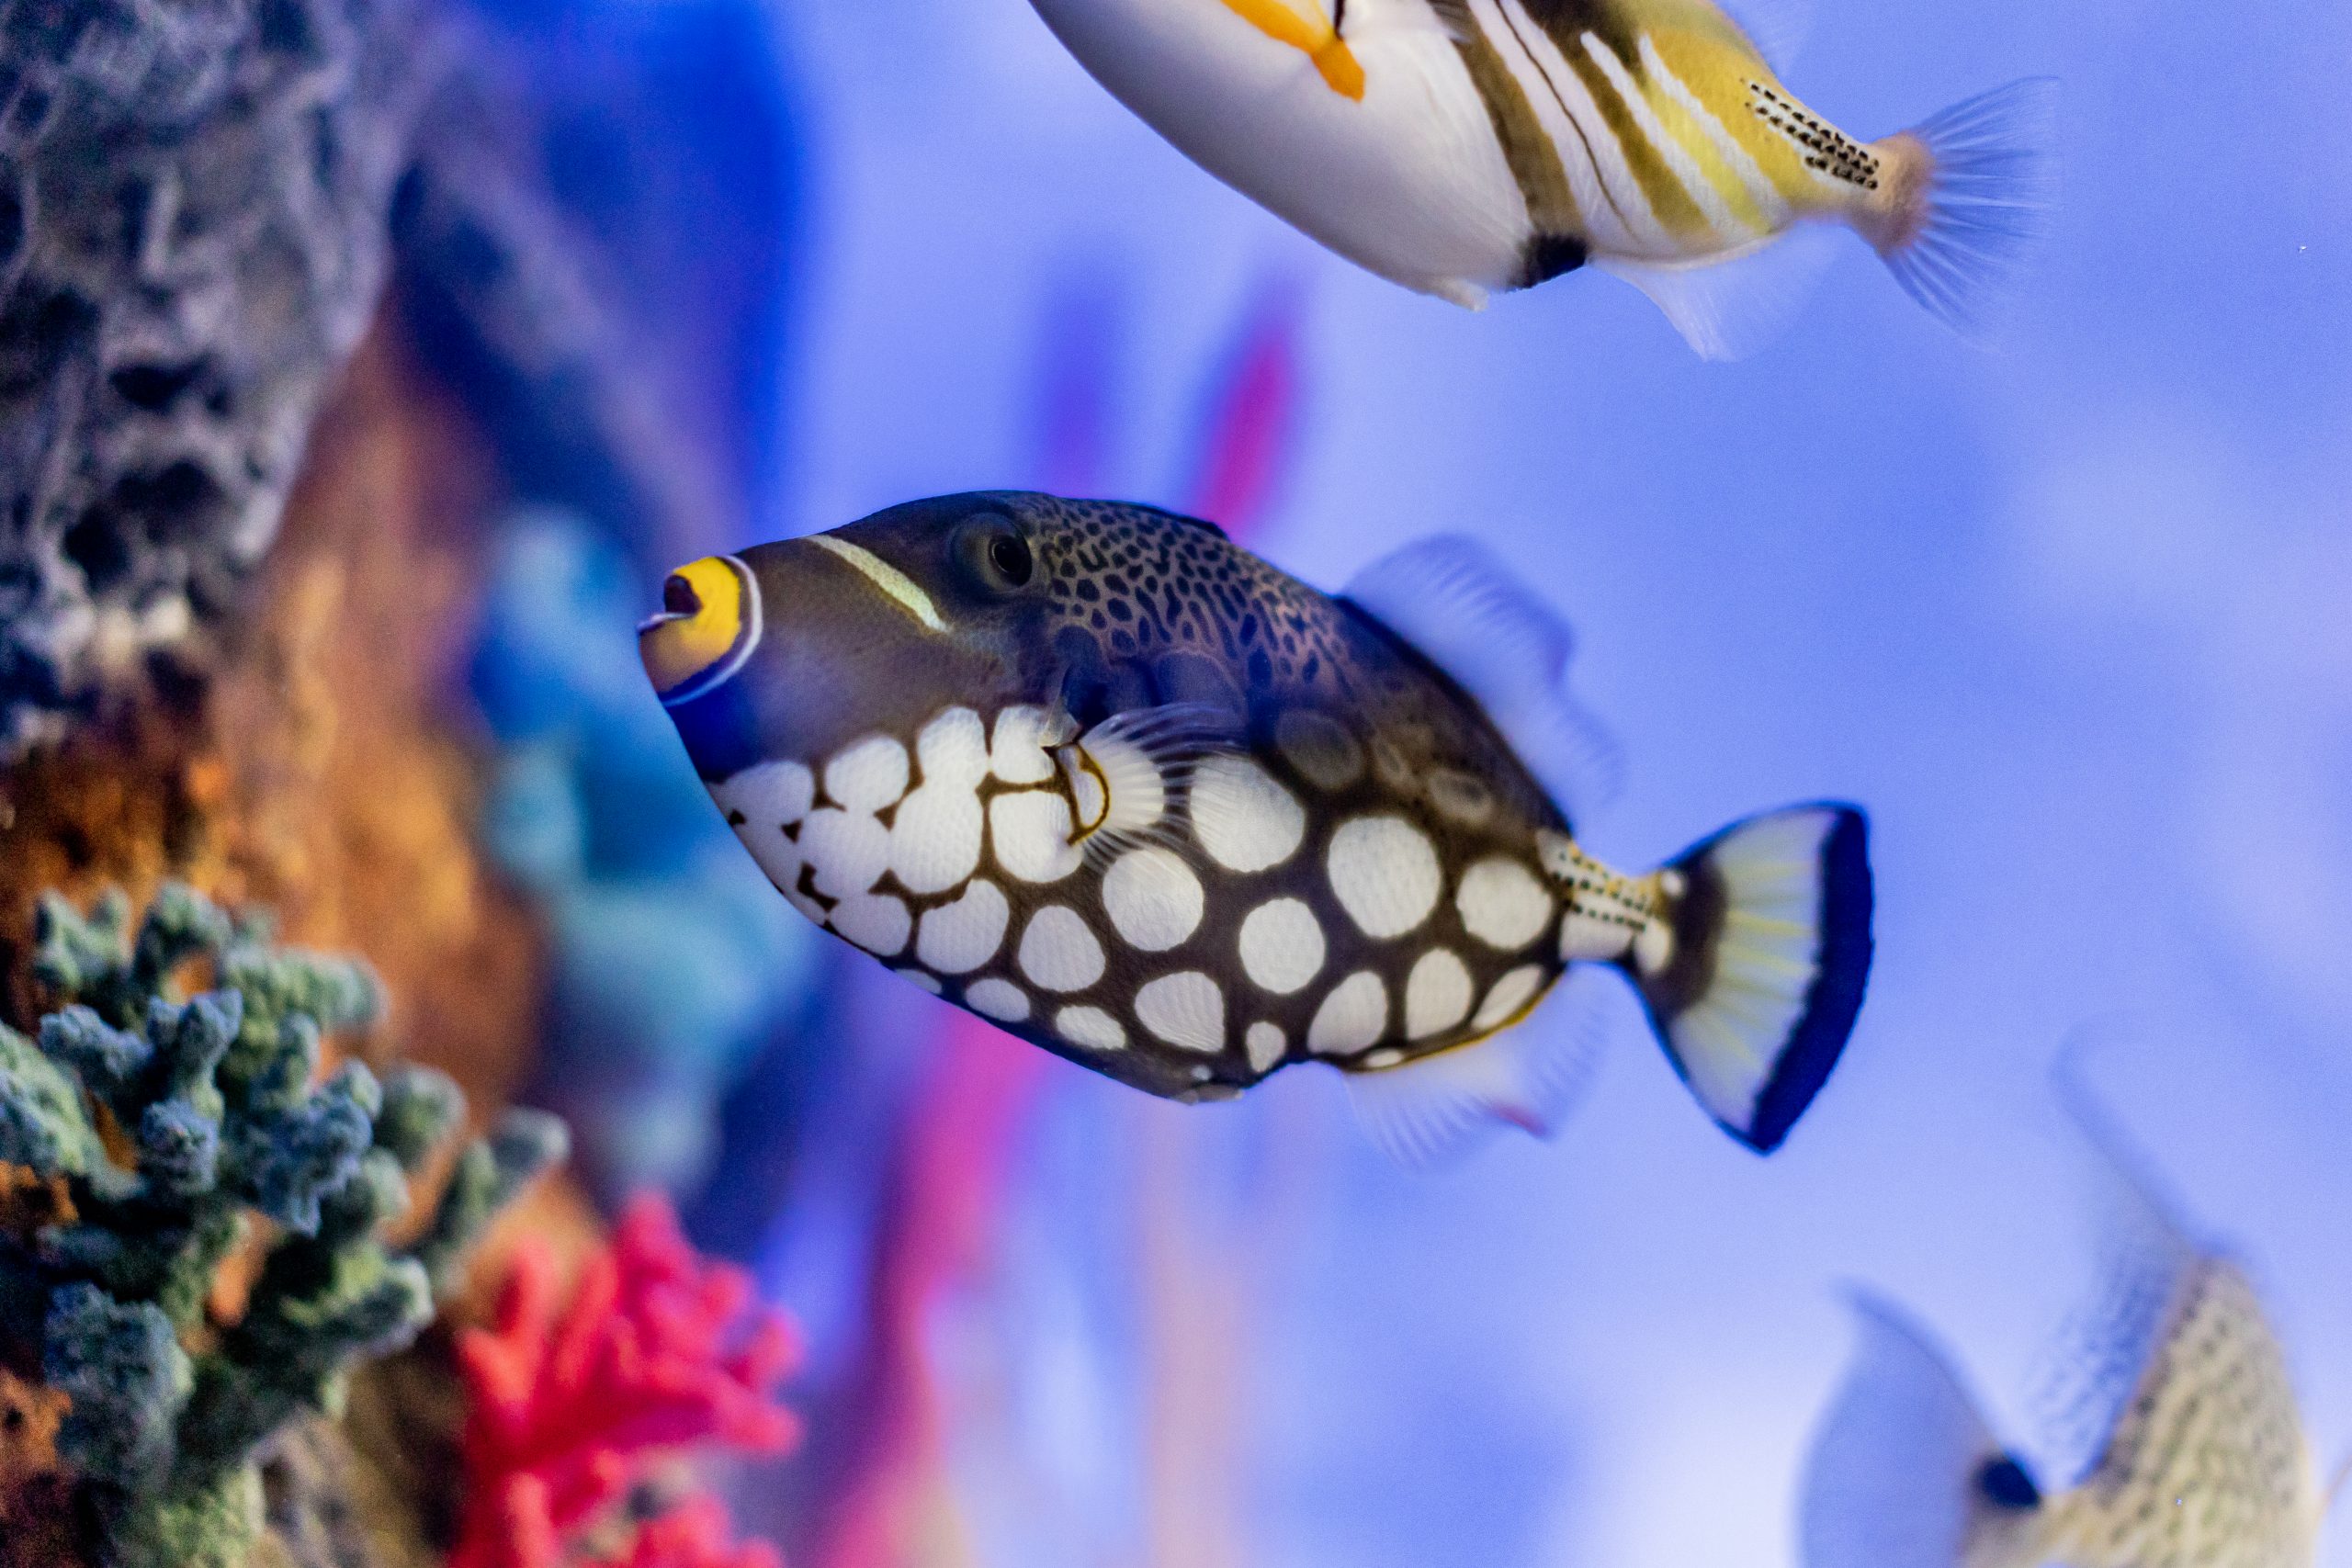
x=661, y=1351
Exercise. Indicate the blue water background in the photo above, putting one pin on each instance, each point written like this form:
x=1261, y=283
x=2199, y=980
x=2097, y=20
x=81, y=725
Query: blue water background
x=2074, y=620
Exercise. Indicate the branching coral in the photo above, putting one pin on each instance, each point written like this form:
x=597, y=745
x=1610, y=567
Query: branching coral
x=660, y=1351
x=186, y=1131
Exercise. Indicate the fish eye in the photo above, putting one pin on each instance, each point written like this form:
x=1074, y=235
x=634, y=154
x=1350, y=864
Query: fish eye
x=996, y=552
x=679, y=598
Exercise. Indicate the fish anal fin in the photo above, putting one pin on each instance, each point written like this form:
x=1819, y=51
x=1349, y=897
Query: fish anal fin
x=1431, y=1111
x=1734, y=306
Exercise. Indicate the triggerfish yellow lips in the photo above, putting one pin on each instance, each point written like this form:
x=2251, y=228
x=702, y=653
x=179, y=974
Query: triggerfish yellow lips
x=708, y=624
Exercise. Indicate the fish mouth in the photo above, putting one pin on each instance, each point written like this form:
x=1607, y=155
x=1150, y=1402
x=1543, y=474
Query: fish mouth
x=657, y=619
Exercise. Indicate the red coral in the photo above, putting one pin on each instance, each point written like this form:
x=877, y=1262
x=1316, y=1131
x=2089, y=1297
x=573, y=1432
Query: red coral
x=660, y=1351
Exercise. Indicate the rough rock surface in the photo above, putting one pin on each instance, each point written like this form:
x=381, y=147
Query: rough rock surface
x=194, y=198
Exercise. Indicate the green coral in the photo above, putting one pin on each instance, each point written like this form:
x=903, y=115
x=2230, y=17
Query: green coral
x=183, y=1126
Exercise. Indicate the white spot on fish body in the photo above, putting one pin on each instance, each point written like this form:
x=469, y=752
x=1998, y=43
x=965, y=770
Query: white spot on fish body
x=916, y=976
x=1091, y=1027
x=1022, y=752
x=1353, y=1016
x=1086, y=789
x=1436, y=994
x=1153, y=898
x=957, y=937
x=875, y=922
x=1265, y=1043
x=1507, y=996
x=849, y=849
x=998, y=1000
x=935, y=837
x=1387, y=1058
x=768, y=797
x=1502, y=903
x=1319, y=747
x=867, y=775
x=1029, y=831
x=1059, y=952
x=1589, y=937
x=1282, y=945
x=1246, y=820
x=1186, y=1009
x=1654, y=947
x=1385, y=872
x=776, y=793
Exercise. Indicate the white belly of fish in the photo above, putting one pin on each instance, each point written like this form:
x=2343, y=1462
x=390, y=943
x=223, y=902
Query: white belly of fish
x=1408, y=182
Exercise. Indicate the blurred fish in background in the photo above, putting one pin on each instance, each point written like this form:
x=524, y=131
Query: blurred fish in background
x=1463, y=146
x=2175, y=1396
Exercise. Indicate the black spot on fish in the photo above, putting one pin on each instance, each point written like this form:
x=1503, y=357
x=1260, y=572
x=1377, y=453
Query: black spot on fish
x=2004, y=1484
x=1546, y=256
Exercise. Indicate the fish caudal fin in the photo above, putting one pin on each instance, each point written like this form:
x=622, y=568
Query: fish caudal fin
x=1970, y=196
x=1757, y=992
x=1904, y=1472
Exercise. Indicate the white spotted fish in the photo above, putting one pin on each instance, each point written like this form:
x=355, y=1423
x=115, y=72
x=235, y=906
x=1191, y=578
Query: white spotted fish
x=1463, y=146
x=1098, y=775
x=2189, y=1451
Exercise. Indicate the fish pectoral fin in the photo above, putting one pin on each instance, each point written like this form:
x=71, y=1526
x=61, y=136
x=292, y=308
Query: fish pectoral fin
x=1734, y=306
x=1304, y=26
x=1432, y=1110
x=1125, y=774
x=1904, y=1472
x=1462, y=610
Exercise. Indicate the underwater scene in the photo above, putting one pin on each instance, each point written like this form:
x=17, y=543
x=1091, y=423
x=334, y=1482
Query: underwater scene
x=1175, y=783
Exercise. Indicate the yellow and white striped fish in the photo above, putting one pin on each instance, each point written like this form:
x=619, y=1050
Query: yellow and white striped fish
x=2193, y=1453
x=1106, y=779
x=1465, y=146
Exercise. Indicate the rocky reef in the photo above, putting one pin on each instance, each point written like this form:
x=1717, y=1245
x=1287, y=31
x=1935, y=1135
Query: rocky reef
x=193, y=202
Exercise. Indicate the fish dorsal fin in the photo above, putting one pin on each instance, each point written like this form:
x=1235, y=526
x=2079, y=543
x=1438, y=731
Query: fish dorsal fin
x=1128, y=775
x=1733, y=307
x=1431, y=1111
x=2144, y=1259
x=1460, y=609
x=1777, y=28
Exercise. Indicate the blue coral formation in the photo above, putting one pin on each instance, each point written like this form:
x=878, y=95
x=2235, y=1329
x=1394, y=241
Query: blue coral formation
x=673, y=961
x=191, y=1129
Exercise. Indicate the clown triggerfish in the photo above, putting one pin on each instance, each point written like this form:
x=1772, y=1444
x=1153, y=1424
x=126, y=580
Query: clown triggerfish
x=1464, y=146
x=1098, y=775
